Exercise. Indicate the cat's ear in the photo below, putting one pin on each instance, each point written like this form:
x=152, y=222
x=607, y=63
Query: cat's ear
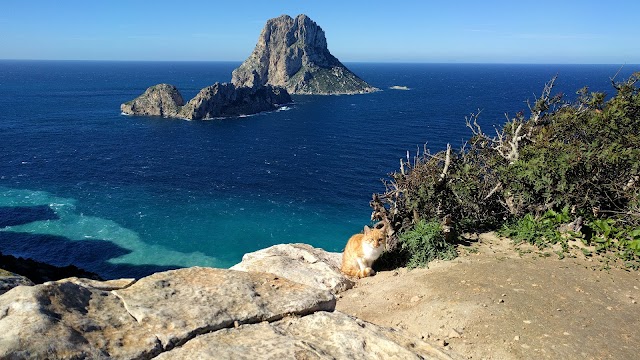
x=367, y=230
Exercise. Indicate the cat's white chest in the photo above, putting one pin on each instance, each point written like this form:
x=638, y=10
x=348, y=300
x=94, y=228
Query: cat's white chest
x=371, y=253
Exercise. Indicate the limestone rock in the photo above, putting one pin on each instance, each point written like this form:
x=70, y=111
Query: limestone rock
x=301, y=263
x=66, y=320
x=321, y=335
x=217, y=100
x=220, y=100
x=293, y=53
x=9, y=280
x=159, y=100
x=179, y=304
x=76, y=319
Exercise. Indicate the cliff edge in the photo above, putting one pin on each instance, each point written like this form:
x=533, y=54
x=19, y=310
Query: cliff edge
x=293, y=53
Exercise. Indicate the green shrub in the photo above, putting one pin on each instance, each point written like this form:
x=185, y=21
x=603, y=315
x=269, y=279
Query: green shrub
x=541, y=231
x=582, y=155
x=426, y=242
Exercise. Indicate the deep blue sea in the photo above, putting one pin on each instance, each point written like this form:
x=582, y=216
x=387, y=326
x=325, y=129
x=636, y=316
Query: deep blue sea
x=125, y=196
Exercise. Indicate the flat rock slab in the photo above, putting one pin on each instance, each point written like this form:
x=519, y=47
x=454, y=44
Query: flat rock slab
x=301, y=263
x=179, y=304
x=75, y=319
x=321, y=335
x=63, y=320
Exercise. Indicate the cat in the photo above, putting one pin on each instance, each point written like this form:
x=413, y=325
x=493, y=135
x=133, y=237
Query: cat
x=361, y=251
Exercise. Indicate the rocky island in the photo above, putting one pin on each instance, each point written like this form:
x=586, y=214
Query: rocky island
x=291, y=57
x=293, y=53
x=217, y=100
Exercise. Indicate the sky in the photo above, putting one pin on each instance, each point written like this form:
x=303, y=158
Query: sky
x=464, y=31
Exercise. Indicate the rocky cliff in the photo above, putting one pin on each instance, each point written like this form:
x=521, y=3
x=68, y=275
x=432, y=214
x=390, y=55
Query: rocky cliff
x=293, y=53
x=218, y=100
x=280, y=307
x=158, y=100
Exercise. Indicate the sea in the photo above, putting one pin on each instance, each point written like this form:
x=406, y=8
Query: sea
x=125, y=196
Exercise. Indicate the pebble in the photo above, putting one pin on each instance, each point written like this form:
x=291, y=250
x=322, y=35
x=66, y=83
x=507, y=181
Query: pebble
x=634, y=302
x=500, y=301
x=415, y=298
x=516, y=338
x=454, y=334
x=526, y=321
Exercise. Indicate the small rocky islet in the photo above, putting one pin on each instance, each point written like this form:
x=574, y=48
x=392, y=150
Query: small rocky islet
x=290, y=57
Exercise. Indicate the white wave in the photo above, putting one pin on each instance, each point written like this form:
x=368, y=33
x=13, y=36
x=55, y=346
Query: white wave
x=399, y=87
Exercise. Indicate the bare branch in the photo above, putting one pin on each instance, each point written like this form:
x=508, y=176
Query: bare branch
x=447, y=162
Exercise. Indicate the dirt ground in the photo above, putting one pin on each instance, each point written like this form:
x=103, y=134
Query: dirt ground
x=499, y=301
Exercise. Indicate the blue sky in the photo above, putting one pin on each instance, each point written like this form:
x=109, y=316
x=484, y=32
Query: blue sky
x=377, y=31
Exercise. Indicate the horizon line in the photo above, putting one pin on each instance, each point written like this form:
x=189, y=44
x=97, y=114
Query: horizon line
x=353, y=62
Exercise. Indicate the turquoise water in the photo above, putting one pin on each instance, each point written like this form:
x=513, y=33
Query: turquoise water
x=126, y=196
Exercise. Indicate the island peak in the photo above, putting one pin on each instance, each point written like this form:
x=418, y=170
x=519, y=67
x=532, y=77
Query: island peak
x=293, y=53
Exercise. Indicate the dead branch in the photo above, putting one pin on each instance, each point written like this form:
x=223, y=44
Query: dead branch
x=447, y=162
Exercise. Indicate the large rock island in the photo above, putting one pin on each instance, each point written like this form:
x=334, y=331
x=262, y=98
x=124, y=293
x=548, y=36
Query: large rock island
x=217, y=100
x=291, y=57
x=293, y=53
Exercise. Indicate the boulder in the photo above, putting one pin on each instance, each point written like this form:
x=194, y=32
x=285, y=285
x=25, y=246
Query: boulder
x=63, y=320
x=301, y=263
x=179, y=304
x=77, y=319
x=322, y=335
x=293, y=53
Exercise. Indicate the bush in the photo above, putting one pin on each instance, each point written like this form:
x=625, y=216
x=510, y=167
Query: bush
x=540, y=231
x=567, y=159
x=426, y=242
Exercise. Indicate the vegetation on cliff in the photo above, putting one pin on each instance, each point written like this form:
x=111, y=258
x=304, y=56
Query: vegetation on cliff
x=568, y=170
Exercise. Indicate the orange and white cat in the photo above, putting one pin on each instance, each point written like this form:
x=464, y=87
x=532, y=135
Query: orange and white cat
x=361, y=251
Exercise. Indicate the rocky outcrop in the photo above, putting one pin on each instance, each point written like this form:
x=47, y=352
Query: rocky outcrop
x=9, y=280
x=195, y=313
x=218, y=100
x=322, y=335
x=143, y=319
x=158, y=100
x=293, y=53
x=39, y=272
x=300, y=263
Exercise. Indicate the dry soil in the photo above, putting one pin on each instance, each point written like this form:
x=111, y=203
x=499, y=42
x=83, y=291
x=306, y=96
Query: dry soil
x=499, y=301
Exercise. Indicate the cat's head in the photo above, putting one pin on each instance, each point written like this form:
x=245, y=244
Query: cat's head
x=375, y=237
